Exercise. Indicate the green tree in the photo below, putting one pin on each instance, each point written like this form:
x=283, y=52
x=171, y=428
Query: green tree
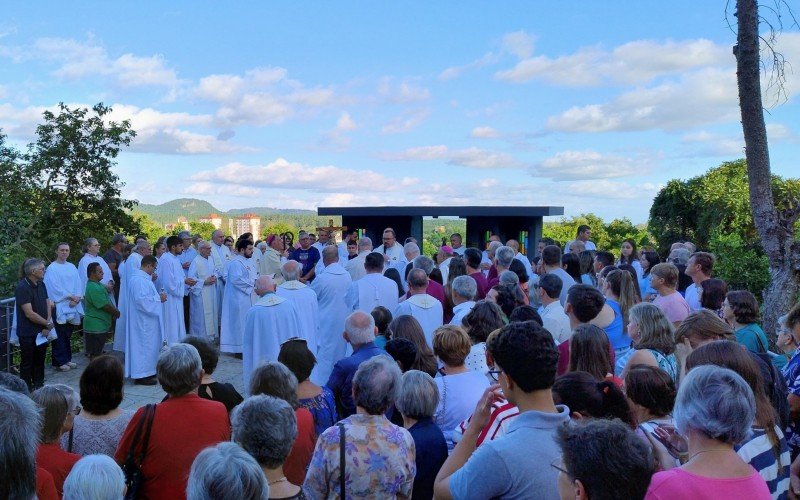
x=204, y=229
x=280, y=228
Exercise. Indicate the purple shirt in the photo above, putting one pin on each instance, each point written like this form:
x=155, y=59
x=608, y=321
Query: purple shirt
x=483, y=285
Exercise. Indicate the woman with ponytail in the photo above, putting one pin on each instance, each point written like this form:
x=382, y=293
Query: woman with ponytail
x=620, y=296
x=587, y=397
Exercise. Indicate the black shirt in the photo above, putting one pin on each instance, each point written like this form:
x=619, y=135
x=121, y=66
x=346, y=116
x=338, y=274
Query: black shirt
x=36, y=295
x=222, y=392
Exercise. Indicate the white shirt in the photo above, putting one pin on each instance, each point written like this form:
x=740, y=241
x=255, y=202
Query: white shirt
x=526, y=263
x=692, y=297
x=460, y=250
x=371, y=291
x=460, y=311
x=556, y=322
x=394, y=252
x=444, y=267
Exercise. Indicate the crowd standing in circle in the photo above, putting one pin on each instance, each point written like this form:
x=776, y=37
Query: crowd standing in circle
x=384, y=373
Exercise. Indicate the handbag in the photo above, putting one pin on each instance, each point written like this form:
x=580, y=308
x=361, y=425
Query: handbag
x=134, y=478
x=341, y=460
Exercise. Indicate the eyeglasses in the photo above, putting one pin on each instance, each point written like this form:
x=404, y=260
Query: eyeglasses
x=495, y=374
x=293, y=339
x=558, y=464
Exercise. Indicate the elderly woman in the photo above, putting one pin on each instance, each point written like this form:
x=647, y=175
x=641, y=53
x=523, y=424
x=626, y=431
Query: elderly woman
x=653, y=341
x=484, y=318
x=407, y=327
x=417, y=401
x=714, y=410
x=379, y=457
x=100, y=424
x=182, y=425
x=59, y=405
x=19, y=430
x=97, y=477
x=275, y=379
x=226, y=471
x=460, y=388
x=266, y=428
x=320, y=401
x=209, y=388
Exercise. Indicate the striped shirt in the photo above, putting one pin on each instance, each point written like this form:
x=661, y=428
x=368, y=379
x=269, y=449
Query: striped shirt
x=502, y=415
x=757, y=451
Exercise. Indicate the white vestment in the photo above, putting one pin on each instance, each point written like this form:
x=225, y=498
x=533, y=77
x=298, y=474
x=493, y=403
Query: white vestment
x=460, y=250
x=187, y=255
x=270, y=264
x=235, y=303
x=126, y=271
x=331, y=289
x=62, y=281
x=425, y=309
x=220, y=255
x=371, y=291
x=145, y=326
x=305, y=301
x=526, y=263
x=204, y=315
x=270, y=321
x=394, y=252
x=355, y=266
x=460, y=311
x=83, y=265
x=171, y=277
x=444, y=267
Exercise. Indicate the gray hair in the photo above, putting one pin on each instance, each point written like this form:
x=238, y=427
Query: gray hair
x=203, y=244
x=504, y=255
x=19, y=439
x=266, y=428
x=275, y=379
x=290, y=270
x=30, y=264
x=119, y=238
x=360, y=328
x=179, y=369
x=418, y=396
x=226, y=471
x=425, y=263
x=417, y=278
x=364, y=244
x=97, y=477
x=262, y=245
x=466, y=287
x=493, y=246
x=375, y=384
x=330, y=254
x=509, y=278
x=679, y=256
x=411, y=249
x=716, y=402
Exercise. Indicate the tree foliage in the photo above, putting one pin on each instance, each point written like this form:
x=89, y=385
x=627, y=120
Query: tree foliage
x=63, y=187
x=606, y=235
x=204, y=229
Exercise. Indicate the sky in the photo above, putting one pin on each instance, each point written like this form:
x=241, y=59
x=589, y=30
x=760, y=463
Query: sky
x=592, y=106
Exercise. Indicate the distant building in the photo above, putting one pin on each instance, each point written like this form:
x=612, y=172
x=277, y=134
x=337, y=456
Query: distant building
x=182, y=224
x=247, y=223
x=213, y=219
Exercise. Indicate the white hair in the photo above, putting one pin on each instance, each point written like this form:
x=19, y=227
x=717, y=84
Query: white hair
x=418, y=395
x=364, y=244
x=290, y=270
x=466, y=287
x=376, y=384
x=178, y=369
x=97, y=477
x=360, y=328
x=226, y=471
x=411, y=250
x=504, y=255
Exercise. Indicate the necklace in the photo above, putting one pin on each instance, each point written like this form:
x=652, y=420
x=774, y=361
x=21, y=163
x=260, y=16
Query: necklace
x=703, y=451
x=278, y=480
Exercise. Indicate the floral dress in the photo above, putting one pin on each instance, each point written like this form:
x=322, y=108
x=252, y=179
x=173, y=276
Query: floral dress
x=322, y=408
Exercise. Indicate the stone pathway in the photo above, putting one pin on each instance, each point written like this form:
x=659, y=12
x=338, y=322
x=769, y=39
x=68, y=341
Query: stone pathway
x=229, y=369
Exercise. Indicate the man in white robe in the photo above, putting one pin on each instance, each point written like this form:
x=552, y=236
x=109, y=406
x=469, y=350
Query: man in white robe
x=465, y=289
x=514, y=244
x=374, y=289
x=64, y=290
x=331, y=289
x=92, y=254
x=445, y=256
x=423, y=307
x=304, y=299
x=145, y=329
x=268, y=323
x=173, y=281
x=391, y=250
x=204, y=318
x=238, y=298
x=274, y=256
x=132, y=264
x=220, y=256
x=186, y=257
x=356, y=266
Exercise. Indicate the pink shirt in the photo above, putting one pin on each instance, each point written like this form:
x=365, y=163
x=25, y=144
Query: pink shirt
x=680, y=484
x=674, y=306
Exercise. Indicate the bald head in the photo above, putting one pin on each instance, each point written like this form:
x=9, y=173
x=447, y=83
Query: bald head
x=360, y=328
x=330, y=254
x=291, y=270
x=417, y=281
x=513, y=244
x=264, y=284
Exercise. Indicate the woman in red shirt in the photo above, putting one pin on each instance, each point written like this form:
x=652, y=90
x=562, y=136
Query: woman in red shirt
x=59, y=405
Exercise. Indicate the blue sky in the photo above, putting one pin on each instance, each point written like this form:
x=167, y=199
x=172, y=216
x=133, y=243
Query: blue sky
x=588, y=105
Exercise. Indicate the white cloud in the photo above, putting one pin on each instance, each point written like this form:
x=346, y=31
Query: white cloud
x=404, y=92
x=338, y=137
x=582, y=165
x=611, y=190
x=518, y=43
x=208, y=188
x=20, y=123
x=470, y=157
x=484, y=133
x=704, y=143
x=456, y=71
x=291, y=175
x=409, y=120
x=345, y=123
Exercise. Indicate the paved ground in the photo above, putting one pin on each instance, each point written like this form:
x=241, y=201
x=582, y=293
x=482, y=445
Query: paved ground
x=229, y=370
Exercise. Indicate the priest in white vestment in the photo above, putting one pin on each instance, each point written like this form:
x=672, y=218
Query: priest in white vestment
x=204, y=317
x=238, y=297
x=374, y=289
x=268, y=323
x=427, y=310
x=126, y=271
x=270, y=264
x=145, y=328
x=331, y=289
x=355, y=266
x=465, y=289
x=64, y=290
x=92, y=254
x=445, y=256
x=173, y=282
x=305, y=301
x=220, y=256
x=391, y=250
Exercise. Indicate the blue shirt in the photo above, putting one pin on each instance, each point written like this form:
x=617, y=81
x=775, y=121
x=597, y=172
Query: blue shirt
x=341, y=379
x=431, y=454
x=307, y=258
x=616, y=331
x=791, y=372
x=517, y=465
x=752, y=337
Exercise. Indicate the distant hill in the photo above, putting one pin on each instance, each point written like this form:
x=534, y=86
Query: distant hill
x=193, y=209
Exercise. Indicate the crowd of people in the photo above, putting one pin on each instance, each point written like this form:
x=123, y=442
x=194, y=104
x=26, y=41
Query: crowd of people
x=384, y=373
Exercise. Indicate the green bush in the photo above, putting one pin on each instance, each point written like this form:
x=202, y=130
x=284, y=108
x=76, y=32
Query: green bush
x=742, y=266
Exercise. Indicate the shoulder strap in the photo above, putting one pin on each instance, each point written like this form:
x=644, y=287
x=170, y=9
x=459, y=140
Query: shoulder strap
x=151, y=415
x=69, y=443
x=341, y=460
x=137, y=434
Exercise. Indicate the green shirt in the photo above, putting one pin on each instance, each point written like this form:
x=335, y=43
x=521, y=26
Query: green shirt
x=96, y=319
